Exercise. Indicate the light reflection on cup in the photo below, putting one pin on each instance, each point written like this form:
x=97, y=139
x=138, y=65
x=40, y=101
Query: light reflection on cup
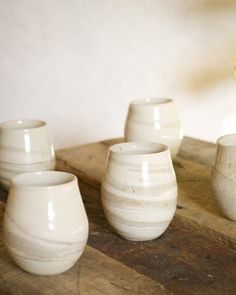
x=154, y=120
x=139, y=190
x=25, y=146
x=224, y=176
x=45, y=224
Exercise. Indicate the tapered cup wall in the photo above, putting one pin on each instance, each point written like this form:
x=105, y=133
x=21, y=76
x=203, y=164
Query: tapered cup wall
x=25, y=146
x=139, y=190
x=45, y=223
x=224, y=176
x=154, y=120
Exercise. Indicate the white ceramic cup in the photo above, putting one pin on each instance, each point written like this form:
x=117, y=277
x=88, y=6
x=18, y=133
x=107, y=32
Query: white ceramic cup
x=154, y=120
x=25, y=146
x=224, y=175
x=139, y=190
x=45, y=224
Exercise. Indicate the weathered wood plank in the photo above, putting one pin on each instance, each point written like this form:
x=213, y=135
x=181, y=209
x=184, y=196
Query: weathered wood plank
x=190, y=258
x=185, y=260
x=198, y=150
x=94, y=274
x=195, y=198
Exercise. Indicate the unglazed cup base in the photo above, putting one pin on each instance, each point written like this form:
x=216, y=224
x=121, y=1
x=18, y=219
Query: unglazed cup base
x=139, y=239
x=44, y=268
x=224, y=190
x=137, y=235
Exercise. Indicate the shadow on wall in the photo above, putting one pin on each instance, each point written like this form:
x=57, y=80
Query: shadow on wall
x=208, y=77
x=213, y=5
x=216, y=64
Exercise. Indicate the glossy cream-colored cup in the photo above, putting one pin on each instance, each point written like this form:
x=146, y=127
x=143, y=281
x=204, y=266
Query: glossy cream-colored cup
x=45, y=224
x=25, y=146
x=139, y=190
x=224, y=175
x=154, y=120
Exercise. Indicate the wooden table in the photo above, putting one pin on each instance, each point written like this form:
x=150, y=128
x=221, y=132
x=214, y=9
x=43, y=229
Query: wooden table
x=196, y=255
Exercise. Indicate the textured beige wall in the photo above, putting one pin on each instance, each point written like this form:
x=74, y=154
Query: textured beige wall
x=77, y=64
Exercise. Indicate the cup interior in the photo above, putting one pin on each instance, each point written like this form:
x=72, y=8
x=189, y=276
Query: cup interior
x=138, y=148
x=151, y=101
x=22, y=124
x=227, y=140
x=43, y=179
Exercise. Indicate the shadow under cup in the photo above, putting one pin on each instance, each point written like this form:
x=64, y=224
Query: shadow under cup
x=25, y=146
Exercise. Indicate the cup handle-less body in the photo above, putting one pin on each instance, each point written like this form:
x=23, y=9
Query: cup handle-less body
x=224, y=176
x=45, y=226
x=154, y=120
x=139, y=190
x=25, y=146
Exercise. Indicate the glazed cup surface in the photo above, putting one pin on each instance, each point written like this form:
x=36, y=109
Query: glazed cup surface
x=226, y=155
x=139, y=190
x=45, y=223
x=224, y=176
x=25, y=146
x=154, y=120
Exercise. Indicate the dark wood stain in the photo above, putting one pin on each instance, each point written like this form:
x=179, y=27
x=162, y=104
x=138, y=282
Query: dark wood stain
x=185, y=260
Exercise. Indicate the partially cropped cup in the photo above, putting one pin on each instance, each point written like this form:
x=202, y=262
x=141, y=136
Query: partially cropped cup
x=224, y=175
x=154, y=120
x=139, y=190
x=25, y=146
x=45, y=224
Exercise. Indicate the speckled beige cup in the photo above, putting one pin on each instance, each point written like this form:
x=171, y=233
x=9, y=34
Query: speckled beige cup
x=139, y=190
x=224, y=176
x=154, y=120
x=45, y=224
x=25, y=146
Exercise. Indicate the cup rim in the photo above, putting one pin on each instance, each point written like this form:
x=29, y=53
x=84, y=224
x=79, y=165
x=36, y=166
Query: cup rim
x=225, y=140
x=145, y=148
x=43, y=179
x=151, y=101
x=22, y=124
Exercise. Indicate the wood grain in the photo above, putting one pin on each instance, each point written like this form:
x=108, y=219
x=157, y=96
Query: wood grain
x=195, y=200
x=198, y=151
x=95, y=273
x=196, y=255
